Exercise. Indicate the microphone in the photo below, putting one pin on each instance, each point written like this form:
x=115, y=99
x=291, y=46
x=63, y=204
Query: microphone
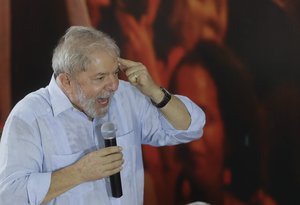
x=108, y=131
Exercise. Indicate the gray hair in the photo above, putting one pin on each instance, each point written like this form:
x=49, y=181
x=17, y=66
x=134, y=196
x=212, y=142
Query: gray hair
x=74, y=49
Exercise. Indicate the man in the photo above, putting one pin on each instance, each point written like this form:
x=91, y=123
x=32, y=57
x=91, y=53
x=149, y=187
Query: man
x=52, y=151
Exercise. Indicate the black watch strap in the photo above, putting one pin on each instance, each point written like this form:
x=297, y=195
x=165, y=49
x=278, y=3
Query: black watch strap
x=165, y=100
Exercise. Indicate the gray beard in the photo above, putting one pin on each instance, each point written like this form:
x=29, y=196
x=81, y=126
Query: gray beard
x=89, y=105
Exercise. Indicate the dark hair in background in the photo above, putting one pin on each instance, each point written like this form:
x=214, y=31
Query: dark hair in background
x=135, y=8
x=263, y=36
x=165, y=38
x=283, y=167
x=239, y=112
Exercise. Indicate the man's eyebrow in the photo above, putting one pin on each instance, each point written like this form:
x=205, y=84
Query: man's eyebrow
x=97, y=74
x=106, y=73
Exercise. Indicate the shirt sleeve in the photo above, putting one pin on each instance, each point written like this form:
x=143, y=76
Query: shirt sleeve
x=159, y=132
x=38, y=186
x=21, y=158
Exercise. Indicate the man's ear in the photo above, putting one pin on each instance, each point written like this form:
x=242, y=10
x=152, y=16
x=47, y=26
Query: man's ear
x=64, y=82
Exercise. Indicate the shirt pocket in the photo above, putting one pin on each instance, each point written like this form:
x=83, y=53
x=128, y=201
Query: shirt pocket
x=132, y=155
x=60, y=161
x=130, y=146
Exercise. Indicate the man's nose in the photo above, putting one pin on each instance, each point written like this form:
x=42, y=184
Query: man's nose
x=113, y=83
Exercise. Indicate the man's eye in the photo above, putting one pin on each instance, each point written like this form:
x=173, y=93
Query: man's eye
x=100, y=78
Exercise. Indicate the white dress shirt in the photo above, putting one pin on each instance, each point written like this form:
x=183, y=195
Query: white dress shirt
x=44, y=132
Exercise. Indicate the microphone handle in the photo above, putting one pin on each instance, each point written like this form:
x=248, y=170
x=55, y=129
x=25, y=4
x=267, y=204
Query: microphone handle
x=115, y=179
x=109, y=142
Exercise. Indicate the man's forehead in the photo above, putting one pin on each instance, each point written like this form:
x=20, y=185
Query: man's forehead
x=100, y=67
x=103, y=57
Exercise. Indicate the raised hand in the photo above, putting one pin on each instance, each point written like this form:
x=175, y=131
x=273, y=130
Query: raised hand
x=139, y=44
x=139, y=76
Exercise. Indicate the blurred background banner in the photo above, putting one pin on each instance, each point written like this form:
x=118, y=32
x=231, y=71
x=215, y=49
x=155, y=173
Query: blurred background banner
x=237, y=59
x=5, y=80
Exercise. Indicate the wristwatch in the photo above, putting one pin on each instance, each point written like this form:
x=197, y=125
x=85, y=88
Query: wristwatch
x=165, y=100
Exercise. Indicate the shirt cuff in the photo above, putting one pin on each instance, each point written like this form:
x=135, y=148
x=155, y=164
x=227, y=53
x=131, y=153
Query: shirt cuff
x=195, y=129
x=38, y=186
x=197, y=117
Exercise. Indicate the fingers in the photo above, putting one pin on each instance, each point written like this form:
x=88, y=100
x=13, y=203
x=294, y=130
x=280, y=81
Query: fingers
x=138, y=76
x=109, y=163
x=127, y=64
x=112, y=171
x=116, y=164
x=109, y=150
x=99, y=164
x=112, y=164
x=133, y=70
x=112, y=158
x=110, y=154
x=130, y=67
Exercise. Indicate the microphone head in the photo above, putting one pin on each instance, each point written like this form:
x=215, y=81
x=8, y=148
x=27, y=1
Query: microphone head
x=108, y=130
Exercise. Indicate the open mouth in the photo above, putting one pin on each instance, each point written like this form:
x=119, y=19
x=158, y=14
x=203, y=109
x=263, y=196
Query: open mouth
x=103, y=101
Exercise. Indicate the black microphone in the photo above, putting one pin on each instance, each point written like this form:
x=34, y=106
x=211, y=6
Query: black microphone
x=108, y=131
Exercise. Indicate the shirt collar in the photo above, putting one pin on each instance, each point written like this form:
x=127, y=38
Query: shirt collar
x=59, y=101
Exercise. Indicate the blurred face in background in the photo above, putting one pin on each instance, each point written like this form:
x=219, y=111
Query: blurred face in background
x=94, y=7
x=196, y=20
x=206, y=155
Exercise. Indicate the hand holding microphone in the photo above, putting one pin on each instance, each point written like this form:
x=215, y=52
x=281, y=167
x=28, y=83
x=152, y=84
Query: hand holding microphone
x=108, y=131
x=98, y=164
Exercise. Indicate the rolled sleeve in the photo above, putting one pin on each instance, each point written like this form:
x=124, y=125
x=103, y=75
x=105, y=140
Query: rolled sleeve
x=21, y=176
x=195, y=129
x=197, y=116
x=162, y=133
x=38, y=186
